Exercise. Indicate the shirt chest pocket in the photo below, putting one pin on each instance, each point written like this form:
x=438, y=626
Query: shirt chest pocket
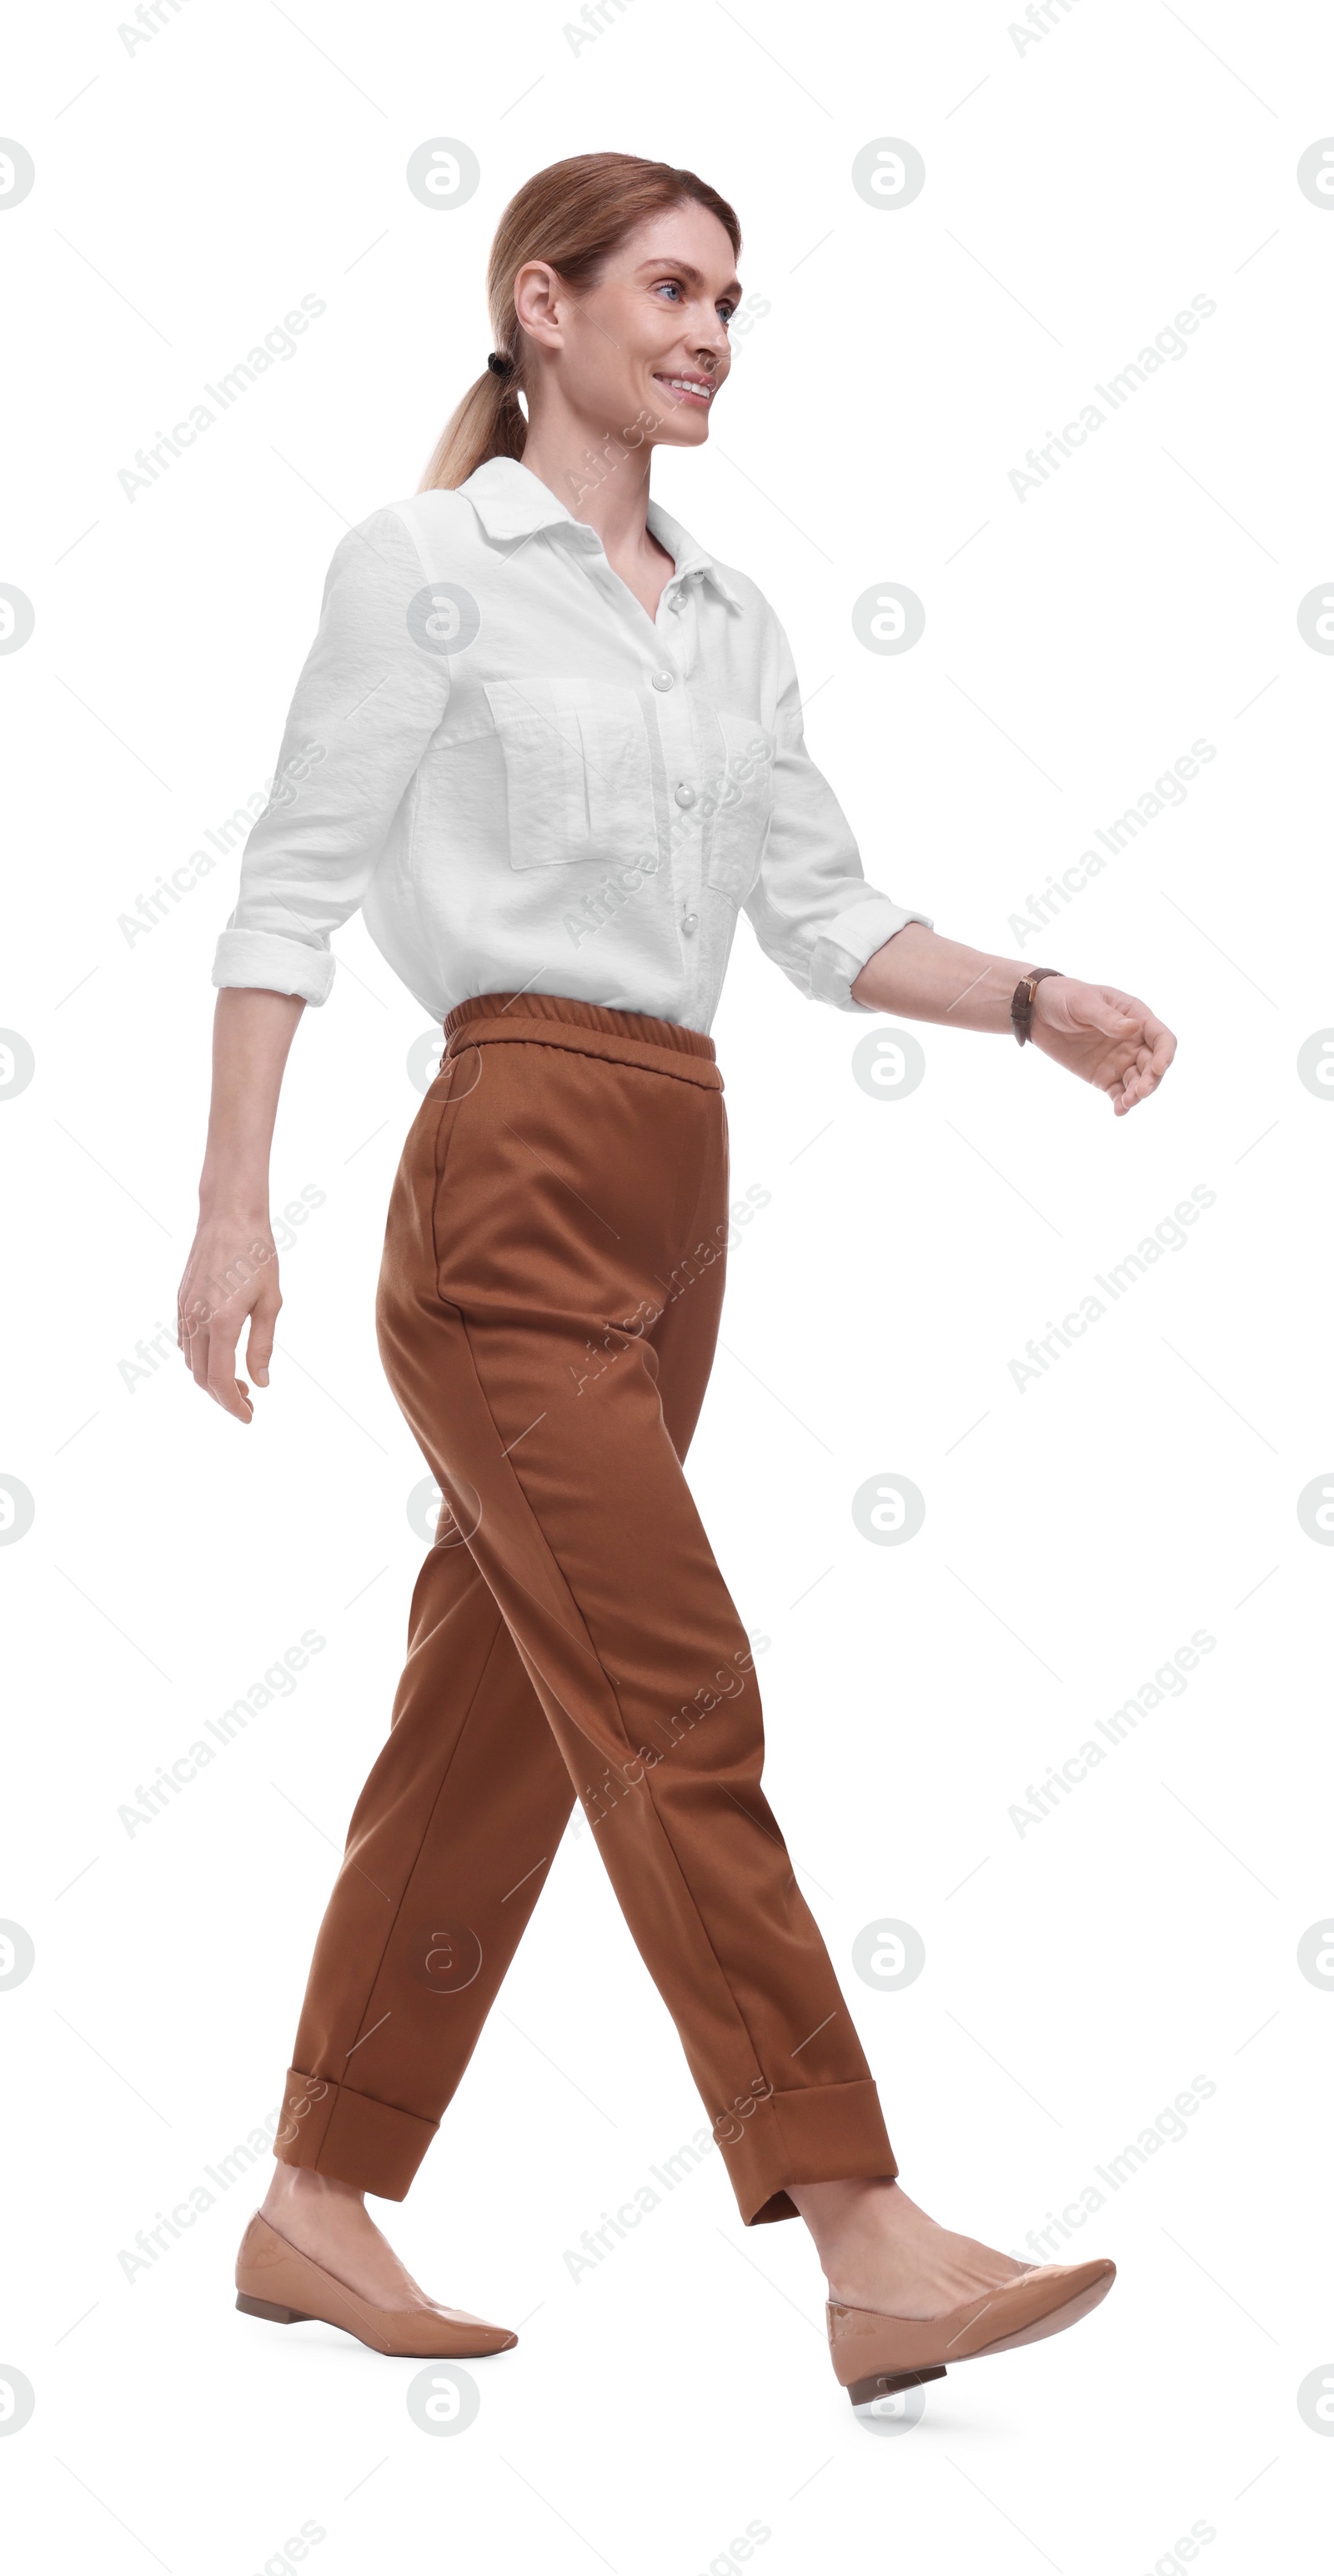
x=737, y=803
x=577, y=775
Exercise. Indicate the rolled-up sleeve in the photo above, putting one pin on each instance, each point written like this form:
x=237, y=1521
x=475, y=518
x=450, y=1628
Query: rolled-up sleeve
x=811, y=908
x=366, y=705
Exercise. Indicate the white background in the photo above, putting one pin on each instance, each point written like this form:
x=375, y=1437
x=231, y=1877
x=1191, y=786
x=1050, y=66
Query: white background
x=1079, y=193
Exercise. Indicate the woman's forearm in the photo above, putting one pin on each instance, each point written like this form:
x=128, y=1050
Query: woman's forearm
x=924, y=977
x=252, y=1033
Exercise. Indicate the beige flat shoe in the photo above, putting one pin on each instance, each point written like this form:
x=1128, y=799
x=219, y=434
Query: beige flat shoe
x=277, y=2281
x=874, y=2354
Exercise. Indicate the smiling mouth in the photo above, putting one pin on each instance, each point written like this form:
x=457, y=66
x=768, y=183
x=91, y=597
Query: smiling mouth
x=697, y=389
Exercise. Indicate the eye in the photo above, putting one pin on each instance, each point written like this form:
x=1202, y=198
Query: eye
x=725, y=312
x=668, y=285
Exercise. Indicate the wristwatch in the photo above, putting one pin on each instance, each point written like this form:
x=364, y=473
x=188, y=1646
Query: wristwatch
x=1021, y=1008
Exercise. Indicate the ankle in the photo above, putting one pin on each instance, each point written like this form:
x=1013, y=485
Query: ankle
x=294, y=2186
x=848, y=2218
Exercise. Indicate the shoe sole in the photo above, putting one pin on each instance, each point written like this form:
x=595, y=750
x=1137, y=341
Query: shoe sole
x=281, y=2316
x=887, y=2383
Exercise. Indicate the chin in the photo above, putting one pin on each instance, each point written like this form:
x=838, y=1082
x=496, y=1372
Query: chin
x=682, y=426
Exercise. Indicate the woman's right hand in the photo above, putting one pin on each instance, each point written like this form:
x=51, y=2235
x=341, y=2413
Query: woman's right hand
x=232, y=1271
x=232, y=1274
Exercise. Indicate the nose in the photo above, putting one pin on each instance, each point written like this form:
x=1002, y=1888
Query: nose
x=712, y=344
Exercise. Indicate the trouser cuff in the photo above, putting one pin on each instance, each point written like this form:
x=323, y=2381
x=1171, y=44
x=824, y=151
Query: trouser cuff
x=818, y=2133
x=350, y=2136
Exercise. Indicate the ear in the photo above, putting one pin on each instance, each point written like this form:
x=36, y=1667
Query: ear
x=537, y=290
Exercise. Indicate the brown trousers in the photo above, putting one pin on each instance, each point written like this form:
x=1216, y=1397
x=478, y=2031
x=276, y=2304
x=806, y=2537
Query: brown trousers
x=548, y=1307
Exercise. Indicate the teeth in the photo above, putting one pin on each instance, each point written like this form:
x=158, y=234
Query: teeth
x=686, y=386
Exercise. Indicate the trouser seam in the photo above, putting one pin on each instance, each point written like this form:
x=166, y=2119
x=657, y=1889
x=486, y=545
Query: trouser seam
x=654, y=1808
x=439, y=1165
x=427, y=1820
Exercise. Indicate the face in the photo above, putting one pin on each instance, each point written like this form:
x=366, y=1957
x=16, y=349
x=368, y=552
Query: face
x=647, y=345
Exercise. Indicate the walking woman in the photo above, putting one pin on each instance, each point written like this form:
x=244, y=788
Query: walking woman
x=551, y=746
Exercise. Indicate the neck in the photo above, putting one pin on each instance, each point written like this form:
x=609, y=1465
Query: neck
x=599, y=479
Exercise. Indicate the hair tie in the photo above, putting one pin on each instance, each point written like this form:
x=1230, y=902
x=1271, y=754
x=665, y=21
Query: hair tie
x=500, y=366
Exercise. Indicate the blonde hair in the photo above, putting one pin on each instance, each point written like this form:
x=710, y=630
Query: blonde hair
x=573, y=215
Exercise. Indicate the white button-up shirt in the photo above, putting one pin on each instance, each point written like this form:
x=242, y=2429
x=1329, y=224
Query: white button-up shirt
x=527, y=783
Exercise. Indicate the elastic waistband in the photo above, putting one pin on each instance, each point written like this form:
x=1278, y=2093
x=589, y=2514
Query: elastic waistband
x=589, y=1028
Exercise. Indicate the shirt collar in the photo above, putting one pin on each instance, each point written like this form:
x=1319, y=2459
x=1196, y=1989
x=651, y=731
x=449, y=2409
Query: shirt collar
x=512, y=502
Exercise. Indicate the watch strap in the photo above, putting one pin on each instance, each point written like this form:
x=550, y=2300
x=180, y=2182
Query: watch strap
x=1021, y=1007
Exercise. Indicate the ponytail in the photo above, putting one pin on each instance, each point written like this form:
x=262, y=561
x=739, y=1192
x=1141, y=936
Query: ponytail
x=488, y=422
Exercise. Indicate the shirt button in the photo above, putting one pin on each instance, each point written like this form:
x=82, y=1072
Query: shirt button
x=662, y=679
x=685, y=794
x=689, y=921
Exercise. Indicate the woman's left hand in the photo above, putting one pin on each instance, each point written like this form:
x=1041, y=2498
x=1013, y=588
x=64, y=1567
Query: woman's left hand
x=1107, y=1037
